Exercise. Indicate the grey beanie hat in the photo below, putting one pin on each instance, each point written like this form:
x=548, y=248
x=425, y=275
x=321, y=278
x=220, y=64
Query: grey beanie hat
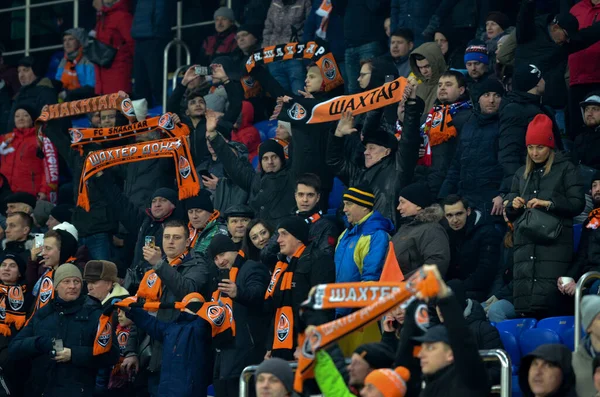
x=224, y=12
x=79, y=34
x=66, y=270
x=590, y=308
x=280, y=369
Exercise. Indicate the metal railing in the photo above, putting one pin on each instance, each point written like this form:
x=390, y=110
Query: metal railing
x=179, y=44
x=578, y=291
x=504, y=388
x=27, y=7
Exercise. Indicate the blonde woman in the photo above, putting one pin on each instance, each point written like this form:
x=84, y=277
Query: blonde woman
x=550, y=183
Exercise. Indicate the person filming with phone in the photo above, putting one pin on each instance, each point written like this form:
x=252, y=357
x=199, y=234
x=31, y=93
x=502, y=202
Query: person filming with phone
x=59, y=341
x=172, y=275
x=240, y=285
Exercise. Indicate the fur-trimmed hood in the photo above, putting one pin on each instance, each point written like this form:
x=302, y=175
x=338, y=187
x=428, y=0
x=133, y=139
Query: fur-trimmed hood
x=431, y=214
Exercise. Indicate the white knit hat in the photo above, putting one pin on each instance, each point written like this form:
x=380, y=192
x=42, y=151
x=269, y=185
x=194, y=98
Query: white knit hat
x=69, y=228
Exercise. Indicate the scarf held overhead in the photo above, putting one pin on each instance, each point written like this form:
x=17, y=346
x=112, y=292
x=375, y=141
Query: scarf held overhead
x=312, y=111
x=83, y=106
x=313, y=51
x=163, y=123
x=175, y=148
x=323, y=335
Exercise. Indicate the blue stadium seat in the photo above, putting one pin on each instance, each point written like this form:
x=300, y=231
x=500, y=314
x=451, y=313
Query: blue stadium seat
x=210, y=391
x=516, y=326
x=81, y=122
x=516, y=390
x=266, y=129
x=576, y=236
x=530, y=339
x=335, y=197
x=557, y=324
x=512, y=348
x=568, y=338
x=155, y=111
x=255, y=162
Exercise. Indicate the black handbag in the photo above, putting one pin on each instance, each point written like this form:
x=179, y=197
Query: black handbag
x=99, y=53
x=540, y=226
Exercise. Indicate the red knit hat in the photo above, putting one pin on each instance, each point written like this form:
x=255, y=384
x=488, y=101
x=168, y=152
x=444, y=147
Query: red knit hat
x=539, y=132
x=390, y=383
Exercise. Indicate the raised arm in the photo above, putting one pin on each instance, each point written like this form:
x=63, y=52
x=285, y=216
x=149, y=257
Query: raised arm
x=341, y=166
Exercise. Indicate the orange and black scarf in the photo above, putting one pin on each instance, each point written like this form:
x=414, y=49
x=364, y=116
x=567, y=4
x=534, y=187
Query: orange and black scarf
x=83, y=106
x=165, y=123
x=117, y=377
x=175, y=148
x=195, y=233
x=226, y=301
x=316, y=52
x=280, y=291
x=46, y=290
x=69, y=76
x=593, y=219
x=151, y=286
x=12, y=308
x=324, y=11
x=323, y=335
x=302, y=111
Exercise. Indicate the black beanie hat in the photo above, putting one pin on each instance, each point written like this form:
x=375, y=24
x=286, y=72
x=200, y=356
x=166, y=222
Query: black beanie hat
x=62, y=213
x=68, y=245
x=220, y=243
x=30, y=62
x=418, y=194
x=525, y=77
x=377, y=355
x=596, y=177
x=297, y=227
x=18, y=259
x=568, y=22
x=361, y=194
x=34, y=114
x=166, y=193
x=271, y=145
x=202, y=201
x=489, y=85
x=21, y=197
x=252, y=28
x=500, y=18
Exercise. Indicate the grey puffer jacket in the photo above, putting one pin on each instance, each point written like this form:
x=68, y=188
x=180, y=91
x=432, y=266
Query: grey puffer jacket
x=537, y=267
x=285, y=19
x=422, y=240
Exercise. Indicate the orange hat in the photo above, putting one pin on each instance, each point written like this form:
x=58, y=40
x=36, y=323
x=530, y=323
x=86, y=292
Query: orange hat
x=539, y=132
x=390, y=383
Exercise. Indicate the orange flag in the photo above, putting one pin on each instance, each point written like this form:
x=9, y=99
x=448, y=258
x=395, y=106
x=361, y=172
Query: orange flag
x=391, y=269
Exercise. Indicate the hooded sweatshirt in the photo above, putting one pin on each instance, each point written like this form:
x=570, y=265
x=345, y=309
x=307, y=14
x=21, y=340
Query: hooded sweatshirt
x=560, y=355
x=246, y=133
x=427, y=90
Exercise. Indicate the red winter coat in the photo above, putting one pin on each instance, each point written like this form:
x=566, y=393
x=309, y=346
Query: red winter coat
x=247, y=133
x=113, y=26
x=21, y=166
x=584, y=64
x=219, y=44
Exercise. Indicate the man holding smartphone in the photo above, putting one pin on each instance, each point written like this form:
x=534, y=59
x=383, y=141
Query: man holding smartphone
x=240, y=286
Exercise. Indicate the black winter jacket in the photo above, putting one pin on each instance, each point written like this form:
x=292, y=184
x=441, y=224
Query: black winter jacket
x=516, y=112
x=475, y=173
x=388, y=176
x=588, y=252
x=36, y=95
x=251, y=322
x=474, y=255
x=466, y=376
x=312, y=268
x=442, y=154
x=235, y=95
x=137, y=221
x=100, y=218
x=359, y=18
x=537, y=267
x=76, y=323
x=587, y=138
x=142, y=178
x=271, y=194
x=535, y=46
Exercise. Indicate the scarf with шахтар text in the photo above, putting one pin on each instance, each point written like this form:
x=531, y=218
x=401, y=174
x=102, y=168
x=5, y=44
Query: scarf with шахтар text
x=175, y=148
x=302, y=111
x=325, y=334
x=315, y=51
